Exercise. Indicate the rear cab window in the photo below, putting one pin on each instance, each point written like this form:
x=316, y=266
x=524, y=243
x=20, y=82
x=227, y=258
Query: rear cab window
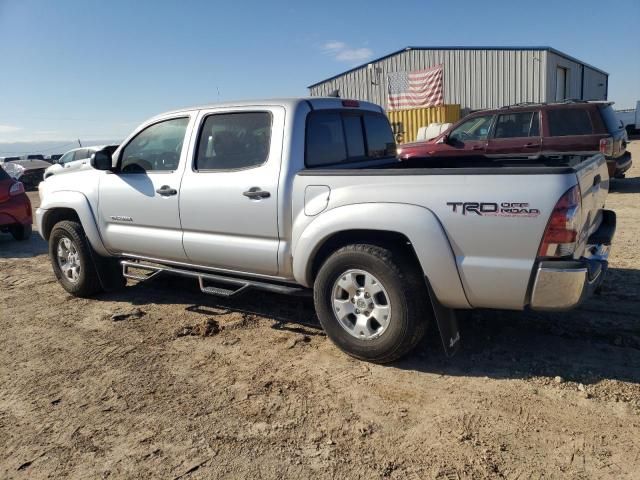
x=564, y=122
x=343, y=136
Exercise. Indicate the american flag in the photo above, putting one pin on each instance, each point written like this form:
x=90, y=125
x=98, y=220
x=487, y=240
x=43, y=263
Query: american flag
x=420, y=88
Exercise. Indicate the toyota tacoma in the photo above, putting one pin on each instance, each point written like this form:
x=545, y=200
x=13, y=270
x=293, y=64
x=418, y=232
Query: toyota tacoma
x=300, y=195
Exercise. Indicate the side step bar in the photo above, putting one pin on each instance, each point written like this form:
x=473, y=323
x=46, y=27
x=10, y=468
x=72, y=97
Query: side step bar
x=226, y=286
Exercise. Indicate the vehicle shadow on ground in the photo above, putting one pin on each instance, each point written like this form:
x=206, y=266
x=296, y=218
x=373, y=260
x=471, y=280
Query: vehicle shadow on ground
x=599, y=340
x=288, y=312
x=624, y=185
x=10, y=248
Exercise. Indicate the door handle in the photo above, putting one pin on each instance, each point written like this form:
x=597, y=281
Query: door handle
x=166, y=191
x=255, y=193
x=477, y=147
x=531, y=145
x=596, y=180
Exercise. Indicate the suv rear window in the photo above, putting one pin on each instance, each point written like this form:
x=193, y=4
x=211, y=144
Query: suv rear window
x=569, y=121
x=610, y=119
x=335, y=137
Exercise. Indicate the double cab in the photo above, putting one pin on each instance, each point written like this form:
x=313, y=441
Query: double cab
x=307, y=195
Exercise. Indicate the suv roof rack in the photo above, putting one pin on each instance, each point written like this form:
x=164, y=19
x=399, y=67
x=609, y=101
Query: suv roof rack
x=572, y=100
x=522, y=104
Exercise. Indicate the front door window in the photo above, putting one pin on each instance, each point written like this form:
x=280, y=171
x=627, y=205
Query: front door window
x=474, y=129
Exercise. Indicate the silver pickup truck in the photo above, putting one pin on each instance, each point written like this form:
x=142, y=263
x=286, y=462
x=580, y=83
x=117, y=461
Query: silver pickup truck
x=298, y=194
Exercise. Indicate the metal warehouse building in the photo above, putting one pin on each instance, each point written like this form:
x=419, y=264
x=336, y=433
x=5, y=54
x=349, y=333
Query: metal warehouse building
x=477, y=77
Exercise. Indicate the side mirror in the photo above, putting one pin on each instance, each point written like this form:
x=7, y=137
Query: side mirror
x=101, y=160
x=444, y=139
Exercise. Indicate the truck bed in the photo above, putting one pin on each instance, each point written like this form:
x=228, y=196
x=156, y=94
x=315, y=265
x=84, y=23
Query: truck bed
x=560, y=164
x=482, y=244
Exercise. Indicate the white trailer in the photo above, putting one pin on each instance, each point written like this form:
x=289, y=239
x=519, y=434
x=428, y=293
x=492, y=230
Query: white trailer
x=630, y=118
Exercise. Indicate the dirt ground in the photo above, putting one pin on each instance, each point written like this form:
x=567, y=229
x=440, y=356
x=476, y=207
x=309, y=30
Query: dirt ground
x=160, y=381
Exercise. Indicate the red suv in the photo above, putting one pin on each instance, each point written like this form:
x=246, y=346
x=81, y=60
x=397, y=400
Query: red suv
x=15, y=208
x=531, y=130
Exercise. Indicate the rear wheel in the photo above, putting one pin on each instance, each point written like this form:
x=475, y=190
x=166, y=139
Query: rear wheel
x=371, y=302
x=71, y=258
x=21, y=232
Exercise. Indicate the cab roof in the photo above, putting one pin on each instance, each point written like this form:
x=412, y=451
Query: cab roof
x=290, y=103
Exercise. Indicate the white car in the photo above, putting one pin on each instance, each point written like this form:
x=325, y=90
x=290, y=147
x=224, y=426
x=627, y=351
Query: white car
x=74, y=160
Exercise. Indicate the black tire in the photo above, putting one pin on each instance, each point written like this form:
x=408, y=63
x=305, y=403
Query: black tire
x=88, y=282
x=21, y=232
x=408, y=300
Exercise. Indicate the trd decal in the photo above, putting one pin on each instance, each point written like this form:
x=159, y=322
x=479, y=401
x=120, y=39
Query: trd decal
x=491, y=209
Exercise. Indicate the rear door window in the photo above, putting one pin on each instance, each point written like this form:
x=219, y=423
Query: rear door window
x=515, y=125
x=569, y=121
x=234, y=141
x=335, y=137
x=81, y=154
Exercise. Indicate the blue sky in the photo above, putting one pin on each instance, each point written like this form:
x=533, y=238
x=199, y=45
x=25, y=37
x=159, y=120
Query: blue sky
x=95, y=69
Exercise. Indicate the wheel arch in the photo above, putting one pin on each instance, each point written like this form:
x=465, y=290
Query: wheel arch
x=410, y=227
x=72, y=206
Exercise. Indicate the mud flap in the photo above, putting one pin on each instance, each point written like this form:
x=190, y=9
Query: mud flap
x=447, y=324
x=108, y=270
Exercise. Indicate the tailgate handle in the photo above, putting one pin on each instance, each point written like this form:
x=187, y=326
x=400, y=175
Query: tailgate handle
x=596, y=180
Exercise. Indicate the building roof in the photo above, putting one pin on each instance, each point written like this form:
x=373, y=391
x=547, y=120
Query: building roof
x=549, y=49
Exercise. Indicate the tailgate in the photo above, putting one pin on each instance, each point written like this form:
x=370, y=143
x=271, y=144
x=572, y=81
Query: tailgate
x=593, y=179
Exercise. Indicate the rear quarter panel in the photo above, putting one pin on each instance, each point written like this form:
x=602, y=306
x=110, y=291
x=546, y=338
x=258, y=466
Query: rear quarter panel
x=493, y=254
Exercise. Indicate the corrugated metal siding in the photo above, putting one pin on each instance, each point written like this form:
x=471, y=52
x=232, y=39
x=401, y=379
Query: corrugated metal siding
x=474, y=79
x=409, y=121
x=595, y=83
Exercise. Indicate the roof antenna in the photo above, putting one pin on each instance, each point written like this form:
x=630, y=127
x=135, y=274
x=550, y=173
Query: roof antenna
x=79, y=143
x=218, y=93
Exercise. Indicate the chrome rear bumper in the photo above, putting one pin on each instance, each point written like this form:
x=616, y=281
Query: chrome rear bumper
x=564, y=284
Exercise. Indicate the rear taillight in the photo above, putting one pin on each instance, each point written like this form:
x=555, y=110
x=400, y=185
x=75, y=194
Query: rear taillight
x=16, y=189
x=606, y=146
x=561, y=234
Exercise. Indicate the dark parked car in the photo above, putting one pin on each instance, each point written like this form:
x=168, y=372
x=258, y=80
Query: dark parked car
x=15, y=208
x=29, y=172
x=531, y=130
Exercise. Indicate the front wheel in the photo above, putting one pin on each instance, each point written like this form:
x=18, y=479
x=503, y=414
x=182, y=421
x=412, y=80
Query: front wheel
x=71, y=259
x=371, y=302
